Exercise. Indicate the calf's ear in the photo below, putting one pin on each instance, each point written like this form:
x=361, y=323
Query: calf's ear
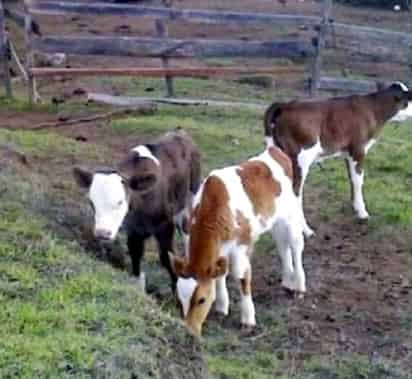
x=220, y=267
x=83, y=178
x=142, y=183
x=178, y=264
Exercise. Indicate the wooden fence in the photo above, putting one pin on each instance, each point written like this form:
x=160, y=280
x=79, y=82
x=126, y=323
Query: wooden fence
x=355, y=38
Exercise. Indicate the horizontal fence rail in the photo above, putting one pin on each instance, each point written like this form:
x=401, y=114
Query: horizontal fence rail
x=379, y=51
x=348, y=85
x=322, y=32
x=161, y=72
x=371, y=35
x=172, y=48
x=61, y=7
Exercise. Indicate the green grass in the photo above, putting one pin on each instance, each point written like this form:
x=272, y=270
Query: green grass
x=388, y=180
x=212, y=89
x=65, y=314
x=18, y=104
x=353, y=367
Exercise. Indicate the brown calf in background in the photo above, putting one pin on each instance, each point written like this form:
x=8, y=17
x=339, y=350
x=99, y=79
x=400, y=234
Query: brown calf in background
x=310, y=131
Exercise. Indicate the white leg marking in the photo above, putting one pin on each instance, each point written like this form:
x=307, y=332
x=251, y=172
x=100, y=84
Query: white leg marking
x=297, y=244
x=305, y=159
x=141, y=282
x=247, y=310
x=241, y=270
x=357, y=183
x=222, y=296
x=280, y=236
x=369, y=145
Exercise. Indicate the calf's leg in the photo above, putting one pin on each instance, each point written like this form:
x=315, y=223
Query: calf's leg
x=135, y=244
x=242, y=271
x=182, y=225
x=289, y=239
x=280, y=236
x=296, y=243
x=354, y=165
x=301, y=165
x=165, y=242
x=222, y=296
x=247, y=308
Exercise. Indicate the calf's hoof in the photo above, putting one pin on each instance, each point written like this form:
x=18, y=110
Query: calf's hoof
x=362, y=215
x=222, y=309
x=294, y=294
x=141, y=282
x=308, y=232
x=247, y=327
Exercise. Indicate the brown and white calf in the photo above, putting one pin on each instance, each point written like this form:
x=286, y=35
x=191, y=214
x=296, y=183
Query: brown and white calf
x=233, y=207
x=310, y=131
x=148, y=193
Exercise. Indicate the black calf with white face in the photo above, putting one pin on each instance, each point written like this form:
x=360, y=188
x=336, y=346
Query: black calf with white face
x=108, y=195
x=149, y=189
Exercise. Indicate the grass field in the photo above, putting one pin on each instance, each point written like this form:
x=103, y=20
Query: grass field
x=67, y=312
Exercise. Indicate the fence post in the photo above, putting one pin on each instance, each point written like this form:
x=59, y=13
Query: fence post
x=4, y=60
x=317, y=61
x=161, y=31
x=31, y=85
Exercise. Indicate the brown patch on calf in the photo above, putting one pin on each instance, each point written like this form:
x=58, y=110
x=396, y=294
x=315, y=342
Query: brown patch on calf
x=246, y=283
x=280, y=157
x=260, y=186
x=211, y=223
x=243, y=231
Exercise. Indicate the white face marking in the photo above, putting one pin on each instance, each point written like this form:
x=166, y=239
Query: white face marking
x=403, y=86
x=185, y=290
x=108, y=195
x=403, y=114
x=144, y=152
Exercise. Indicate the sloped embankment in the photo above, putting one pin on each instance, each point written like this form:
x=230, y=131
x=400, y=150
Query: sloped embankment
x=63, y=313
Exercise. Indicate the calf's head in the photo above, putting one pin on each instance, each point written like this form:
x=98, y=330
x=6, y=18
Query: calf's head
x=109, y=198
x=109, y=191
x=196, y=294
x=401, y=94
x=142, y=168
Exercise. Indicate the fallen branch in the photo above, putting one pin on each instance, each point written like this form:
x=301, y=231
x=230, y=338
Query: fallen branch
x=131, y=101
x=143, y=109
